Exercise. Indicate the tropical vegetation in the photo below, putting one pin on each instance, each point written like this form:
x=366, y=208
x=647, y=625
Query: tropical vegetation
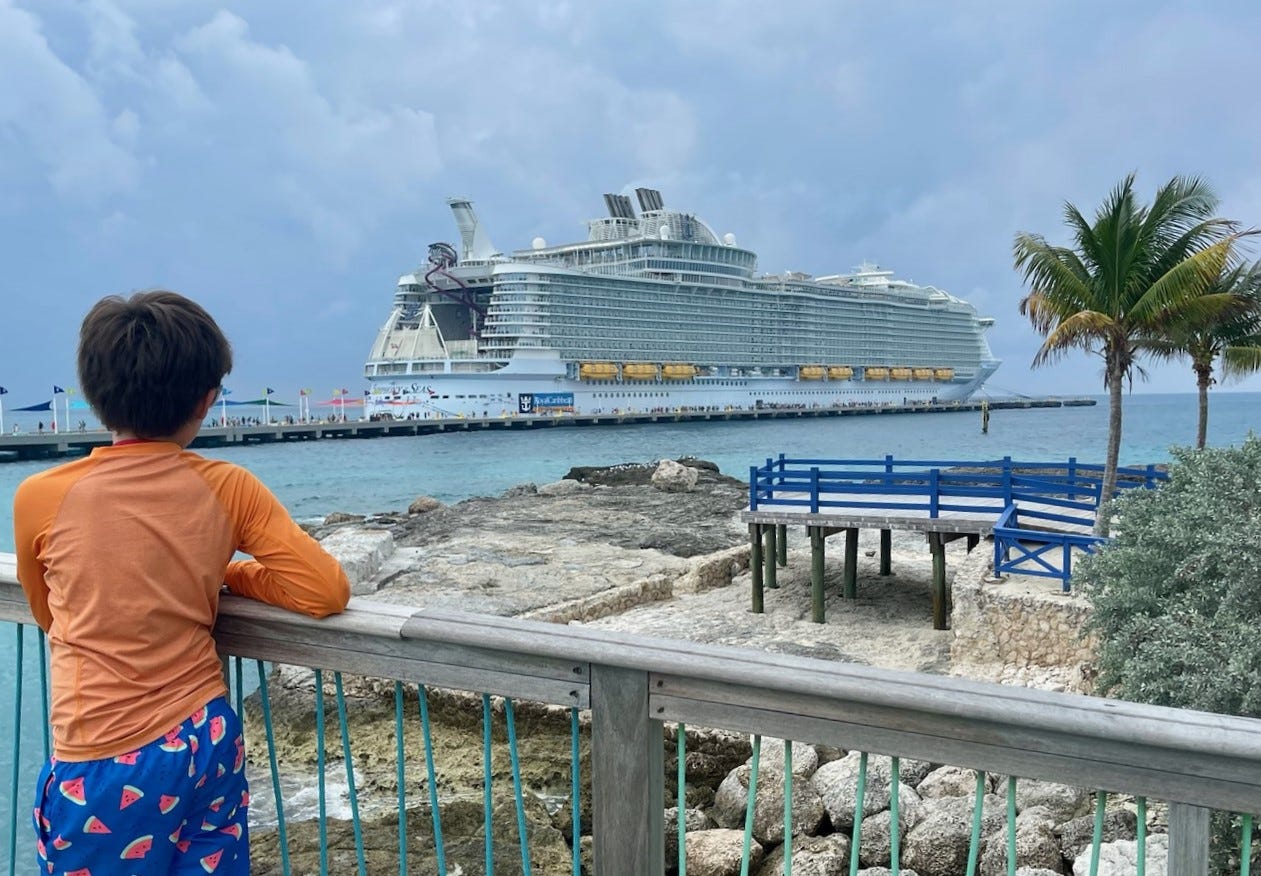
x=1176, y=595
x=1131, y=272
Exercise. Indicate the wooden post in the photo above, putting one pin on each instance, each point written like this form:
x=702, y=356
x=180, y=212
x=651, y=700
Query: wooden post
x=755, y=565
x=940, y=612
x=886, y=552
x=851, y=564
x=816, y=573
x=973, y=540
x=768, y=556
x=627, y=765
x=781, y=543
x=1188, y=840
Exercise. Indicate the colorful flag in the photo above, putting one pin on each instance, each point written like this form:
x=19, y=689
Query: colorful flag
x=366, y=393
x=304, y=392
x=345, y=391
x=270, y=390
x=57, y=389
x=3, y=391
x=223, y=390
x=336, y=393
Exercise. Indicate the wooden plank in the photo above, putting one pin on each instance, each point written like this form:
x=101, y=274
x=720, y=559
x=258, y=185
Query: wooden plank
x=1188, y=840
x=456, y=676
x=817, y=568
x=755, y=566
x=627, y=762
x=986, y=749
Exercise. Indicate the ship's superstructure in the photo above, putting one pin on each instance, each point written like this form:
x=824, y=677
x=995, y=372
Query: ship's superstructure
x=655, y=311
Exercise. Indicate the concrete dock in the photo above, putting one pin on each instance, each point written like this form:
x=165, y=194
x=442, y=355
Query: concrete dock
x=42, y=445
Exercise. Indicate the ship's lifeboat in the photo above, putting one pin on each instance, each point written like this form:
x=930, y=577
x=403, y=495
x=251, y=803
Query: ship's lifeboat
x=639, y=370
x=944, y=373
x=678, y=371
x=597, y=370
x=876, y=373
x=923, y=373
x=811, y=372
x=900, y=373
x=840, y=372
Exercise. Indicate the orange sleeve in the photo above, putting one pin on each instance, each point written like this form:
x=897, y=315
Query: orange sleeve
x=289, y=568
x=34, y=506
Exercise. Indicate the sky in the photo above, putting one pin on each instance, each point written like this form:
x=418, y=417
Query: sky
x=284, y=162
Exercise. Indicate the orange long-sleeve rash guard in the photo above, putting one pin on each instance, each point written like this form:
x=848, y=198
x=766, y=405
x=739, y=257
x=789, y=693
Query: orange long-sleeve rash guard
x=122, y=556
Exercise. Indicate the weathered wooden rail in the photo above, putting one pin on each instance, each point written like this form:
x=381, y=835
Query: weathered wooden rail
x=632, y=685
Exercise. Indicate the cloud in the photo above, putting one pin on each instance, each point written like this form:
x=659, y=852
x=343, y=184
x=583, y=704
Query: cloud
x=55, y=118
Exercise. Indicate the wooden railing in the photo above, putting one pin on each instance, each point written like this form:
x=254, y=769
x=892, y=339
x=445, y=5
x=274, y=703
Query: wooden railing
x=633, y=685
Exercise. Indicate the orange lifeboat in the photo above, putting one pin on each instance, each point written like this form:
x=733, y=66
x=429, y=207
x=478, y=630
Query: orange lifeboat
x=678, y=371
x=840, y=372
x=874, y=372
x=922, y=373
x=639, y=371
x=944, y=373
x=900, y=373
x=811, y=372
x=597, y=370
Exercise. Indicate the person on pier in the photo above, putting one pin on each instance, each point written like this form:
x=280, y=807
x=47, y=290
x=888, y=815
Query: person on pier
x=123, y=556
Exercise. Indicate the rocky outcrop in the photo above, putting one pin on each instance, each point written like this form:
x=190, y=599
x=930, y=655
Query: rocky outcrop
x=671, y=477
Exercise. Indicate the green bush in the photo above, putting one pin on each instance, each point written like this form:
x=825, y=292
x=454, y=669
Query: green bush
x=1176, y=596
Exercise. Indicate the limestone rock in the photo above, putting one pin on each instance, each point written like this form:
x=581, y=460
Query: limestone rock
x=562, y=488
x=338, y=517
x=805, y=759
x=423, y=505
x=837, y=784
x=718, y=852
x=361, y=553
x=1065, y=803
x=875, y=847
x=1036, y=845
x=1120, y=858
x=811, y=856
x=671, y=477
x=768, y=808
x=1077, y=835
x=949, y=781
x=693, y=820
x=938, y=845
x=527, y=489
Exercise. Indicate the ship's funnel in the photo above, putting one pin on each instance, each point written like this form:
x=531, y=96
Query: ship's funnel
x=474, y=242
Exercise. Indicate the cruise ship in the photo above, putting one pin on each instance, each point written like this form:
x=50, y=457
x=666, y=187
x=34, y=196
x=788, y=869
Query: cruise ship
x=654, y=311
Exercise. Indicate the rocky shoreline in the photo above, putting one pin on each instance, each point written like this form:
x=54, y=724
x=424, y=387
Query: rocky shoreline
x=659, y=549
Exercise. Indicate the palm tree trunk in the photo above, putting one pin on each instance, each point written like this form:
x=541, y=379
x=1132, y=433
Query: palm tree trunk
x=1203, y=378
x=1115, y=382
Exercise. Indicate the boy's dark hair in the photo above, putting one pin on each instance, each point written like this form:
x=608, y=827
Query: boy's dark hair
x=145, y=362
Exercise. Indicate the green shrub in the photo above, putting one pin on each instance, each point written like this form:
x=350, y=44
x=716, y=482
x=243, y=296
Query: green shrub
x=1176, y=596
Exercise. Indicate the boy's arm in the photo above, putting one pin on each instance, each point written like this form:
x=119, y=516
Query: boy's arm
x=289, y=568
x=29, y=525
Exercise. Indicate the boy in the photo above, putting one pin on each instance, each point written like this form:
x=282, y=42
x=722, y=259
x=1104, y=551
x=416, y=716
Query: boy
x=122, y=555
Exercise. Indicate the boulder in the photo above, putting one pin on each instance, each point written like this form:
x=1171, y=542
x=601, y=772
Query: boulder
x=938, y=845
x=837, y=784
x=1077, y=835
x=719, y=852
x=768, y=808
x=671, y=477
x=423, y=505
x=805, y=760
x=693, y=820
x=1065, y=803
x=362, y=553
x=949, y=781
x=1036, y=845
x=338, y=517
x=811, y=856
x=875, y=846
x=1120, y=858
x=563, y=488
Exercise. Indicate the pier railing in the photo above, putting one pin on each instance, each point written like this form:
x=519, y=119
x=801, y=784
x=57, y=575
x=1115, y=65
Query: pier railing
x=934, y=486
x=629, y=694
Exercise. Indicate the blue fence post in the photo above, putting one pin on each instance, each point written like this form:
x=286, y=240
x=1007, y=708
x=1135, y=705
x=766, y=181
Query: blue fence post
x=888, y=463
x=753, y=488
x=781, y=463
x=1150, y=481
x=1006, y=481
x=1072, y=477
x=933, y=487
x=814, y=490
x=1068, y=566
x=998, y=555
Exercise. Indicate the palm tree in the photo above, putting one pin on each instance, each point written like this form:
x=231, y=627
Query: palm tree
x=1132, y=267
x=1229, y=330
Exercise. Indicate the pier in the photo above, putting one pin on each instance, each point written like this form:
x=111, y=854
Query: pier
x=43, y=445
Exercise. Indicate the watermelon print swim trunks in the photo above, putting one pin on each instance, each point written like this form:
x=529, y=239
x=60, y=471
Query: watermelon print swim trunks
x=178, y=805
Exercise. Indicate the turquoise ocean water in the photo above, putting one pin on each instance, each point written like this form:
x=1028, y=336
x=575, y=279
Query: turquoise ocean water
x=315, y=478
